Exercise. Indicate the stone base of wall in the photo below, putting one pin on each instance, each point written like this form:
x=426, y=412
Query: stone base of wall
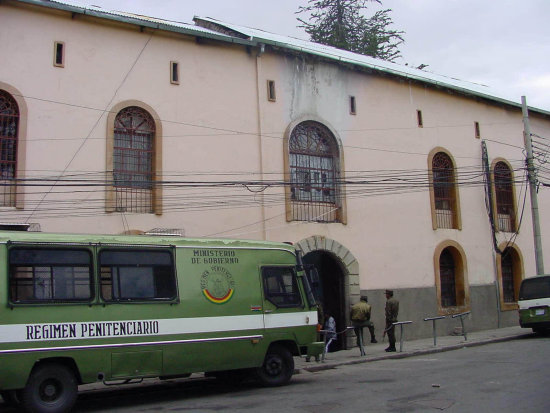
x=415, y=304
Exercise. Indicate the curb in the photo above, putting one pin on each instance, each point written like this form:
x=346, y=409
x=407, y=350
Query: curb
x=413, y=353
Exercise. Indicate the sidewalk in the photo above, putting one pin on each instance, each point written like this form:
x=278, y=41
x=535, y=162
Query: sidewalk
x=410, y=348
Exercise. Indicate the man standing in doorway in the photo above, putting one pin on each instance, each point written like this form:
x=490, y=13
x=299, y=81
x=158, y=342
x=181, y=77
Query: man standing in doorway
x=392, y=309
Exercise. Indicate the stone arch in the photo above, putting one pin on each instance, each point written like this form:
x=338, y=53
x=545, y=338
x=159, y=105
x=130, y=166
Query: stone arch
x=349, y=267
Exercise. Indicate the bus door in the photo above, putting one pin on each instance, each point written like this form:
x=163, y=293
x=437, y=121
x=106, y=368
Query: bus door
x=283, y=302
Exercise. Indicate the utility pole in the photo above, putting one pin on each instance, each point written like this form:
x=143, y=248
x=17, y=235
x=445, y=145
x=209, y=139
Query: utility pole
x=532, y=188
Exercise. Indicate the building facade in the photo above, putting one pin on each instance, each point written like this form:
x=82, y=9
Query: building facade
x=385, y=176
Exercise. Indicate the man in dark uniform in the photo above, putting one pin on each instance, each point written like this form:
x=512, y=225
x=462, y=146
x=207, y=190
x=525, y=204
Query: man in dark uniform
x=392, y=309
x=360, y=317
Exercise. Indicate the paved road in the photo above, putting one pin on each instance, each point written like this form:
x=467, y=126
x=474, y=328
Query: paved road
x=502, y=377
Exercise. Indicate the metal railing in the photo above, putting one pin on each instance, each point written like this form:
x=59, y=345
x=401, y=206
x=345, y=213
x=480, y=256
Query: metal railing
x=401, y=324
x=462, y=315
x=401, y=335
x=433, y=320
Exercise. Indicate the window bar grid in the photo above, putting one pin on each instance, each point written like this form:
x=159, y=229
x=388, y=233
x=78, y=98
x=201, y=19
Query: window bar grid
x=504, y=197
x=9, y=126
x=133, y=161
x=314, y=174
x=508, y=293
x=447, y=278
x=444, y=191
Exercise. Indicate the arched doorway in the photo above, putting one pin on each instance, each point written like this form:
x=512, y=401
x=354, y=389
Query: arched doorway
x=329, y=289
x=338, y=279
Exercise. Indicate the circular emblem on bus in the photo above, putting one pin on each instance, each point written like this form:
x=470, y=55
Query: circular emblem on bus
x=217, y=285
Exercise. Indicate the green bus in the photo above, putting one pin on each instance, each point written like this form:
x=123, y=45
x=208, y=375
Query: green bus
x=78, y=309
x=534, y=303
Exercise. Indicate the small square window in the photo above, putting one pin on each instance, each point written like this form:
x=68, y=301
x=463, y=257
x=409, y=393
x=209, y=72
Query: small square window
x=174, y=73
x=477, y=130
x=271, y=91
x=59, y=54
x=419, y=119
x=352, y=106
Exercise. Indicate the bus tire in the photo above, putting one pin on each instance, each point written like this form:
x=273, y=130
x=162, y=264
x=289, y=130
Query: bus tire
x=277, y=368
x=51, y=388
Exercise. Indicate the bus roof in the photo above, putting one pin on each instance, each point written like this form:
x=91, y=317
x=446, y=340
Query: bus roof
x=45, y=237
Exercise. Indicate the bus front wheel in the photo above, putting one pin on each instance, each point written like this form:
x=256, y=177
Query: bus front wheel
x=51, y=388
x=278, y=367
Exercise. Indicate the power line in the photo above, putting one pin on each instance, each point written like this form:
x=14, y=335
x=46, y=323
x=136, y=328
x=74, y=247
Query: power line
x=99, y=117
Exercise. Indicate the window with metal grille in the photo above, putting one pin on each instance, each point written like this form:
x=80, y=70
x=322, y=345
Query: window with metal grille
x=504, y=197
x=50, y=275
x=133, y=155
x=447, y=275
x=444, y=189
x=314, y=173
x=9, y=126
x=507, y=268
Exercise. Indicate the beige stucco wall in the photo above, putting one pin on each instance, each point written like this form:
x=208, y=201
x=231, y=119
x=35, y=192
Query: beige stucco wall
x=218, y=125
x=208, y=120
x=391, y=235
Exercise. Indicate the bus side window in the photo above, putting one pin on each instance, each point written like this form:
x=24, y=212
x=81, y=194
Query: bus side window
x=137, y=275
x=39, y=275
x=281, y=286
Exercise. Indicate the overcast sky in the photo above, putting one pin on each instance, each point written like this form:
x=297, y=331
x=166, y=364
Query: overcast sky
x=503, y=44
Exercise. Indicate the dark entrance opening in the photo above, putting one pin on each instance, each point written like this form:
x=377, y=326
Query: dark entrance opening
x=330, y=290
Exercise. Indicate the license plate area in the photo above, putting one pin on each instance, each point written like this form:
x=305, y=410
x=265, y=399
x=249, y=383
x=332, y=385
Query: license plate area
x=539, y=311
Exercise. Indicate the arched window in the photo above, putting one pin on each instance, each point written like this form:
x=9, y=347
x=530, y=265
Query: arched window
x=504, y=193
x=510, y=271
x=444, y=191
x=448, y=280
x=133, y=158
x=314, y=173
x=451, y=278
x=9, y=128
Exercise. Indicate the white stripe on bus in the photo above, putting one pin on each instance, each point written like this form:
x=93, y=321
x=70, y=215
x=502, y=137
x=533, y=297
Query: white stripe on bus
x=38, y=332
x=134, y=344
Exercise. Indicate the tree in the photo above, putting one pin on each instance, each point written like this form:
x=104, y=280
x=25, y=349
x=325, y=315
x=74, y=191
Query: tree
x=340, y=23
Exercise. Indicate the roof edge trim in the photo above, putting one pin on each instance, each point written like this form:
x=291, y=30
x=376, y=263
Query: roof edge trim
x=135, y=21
